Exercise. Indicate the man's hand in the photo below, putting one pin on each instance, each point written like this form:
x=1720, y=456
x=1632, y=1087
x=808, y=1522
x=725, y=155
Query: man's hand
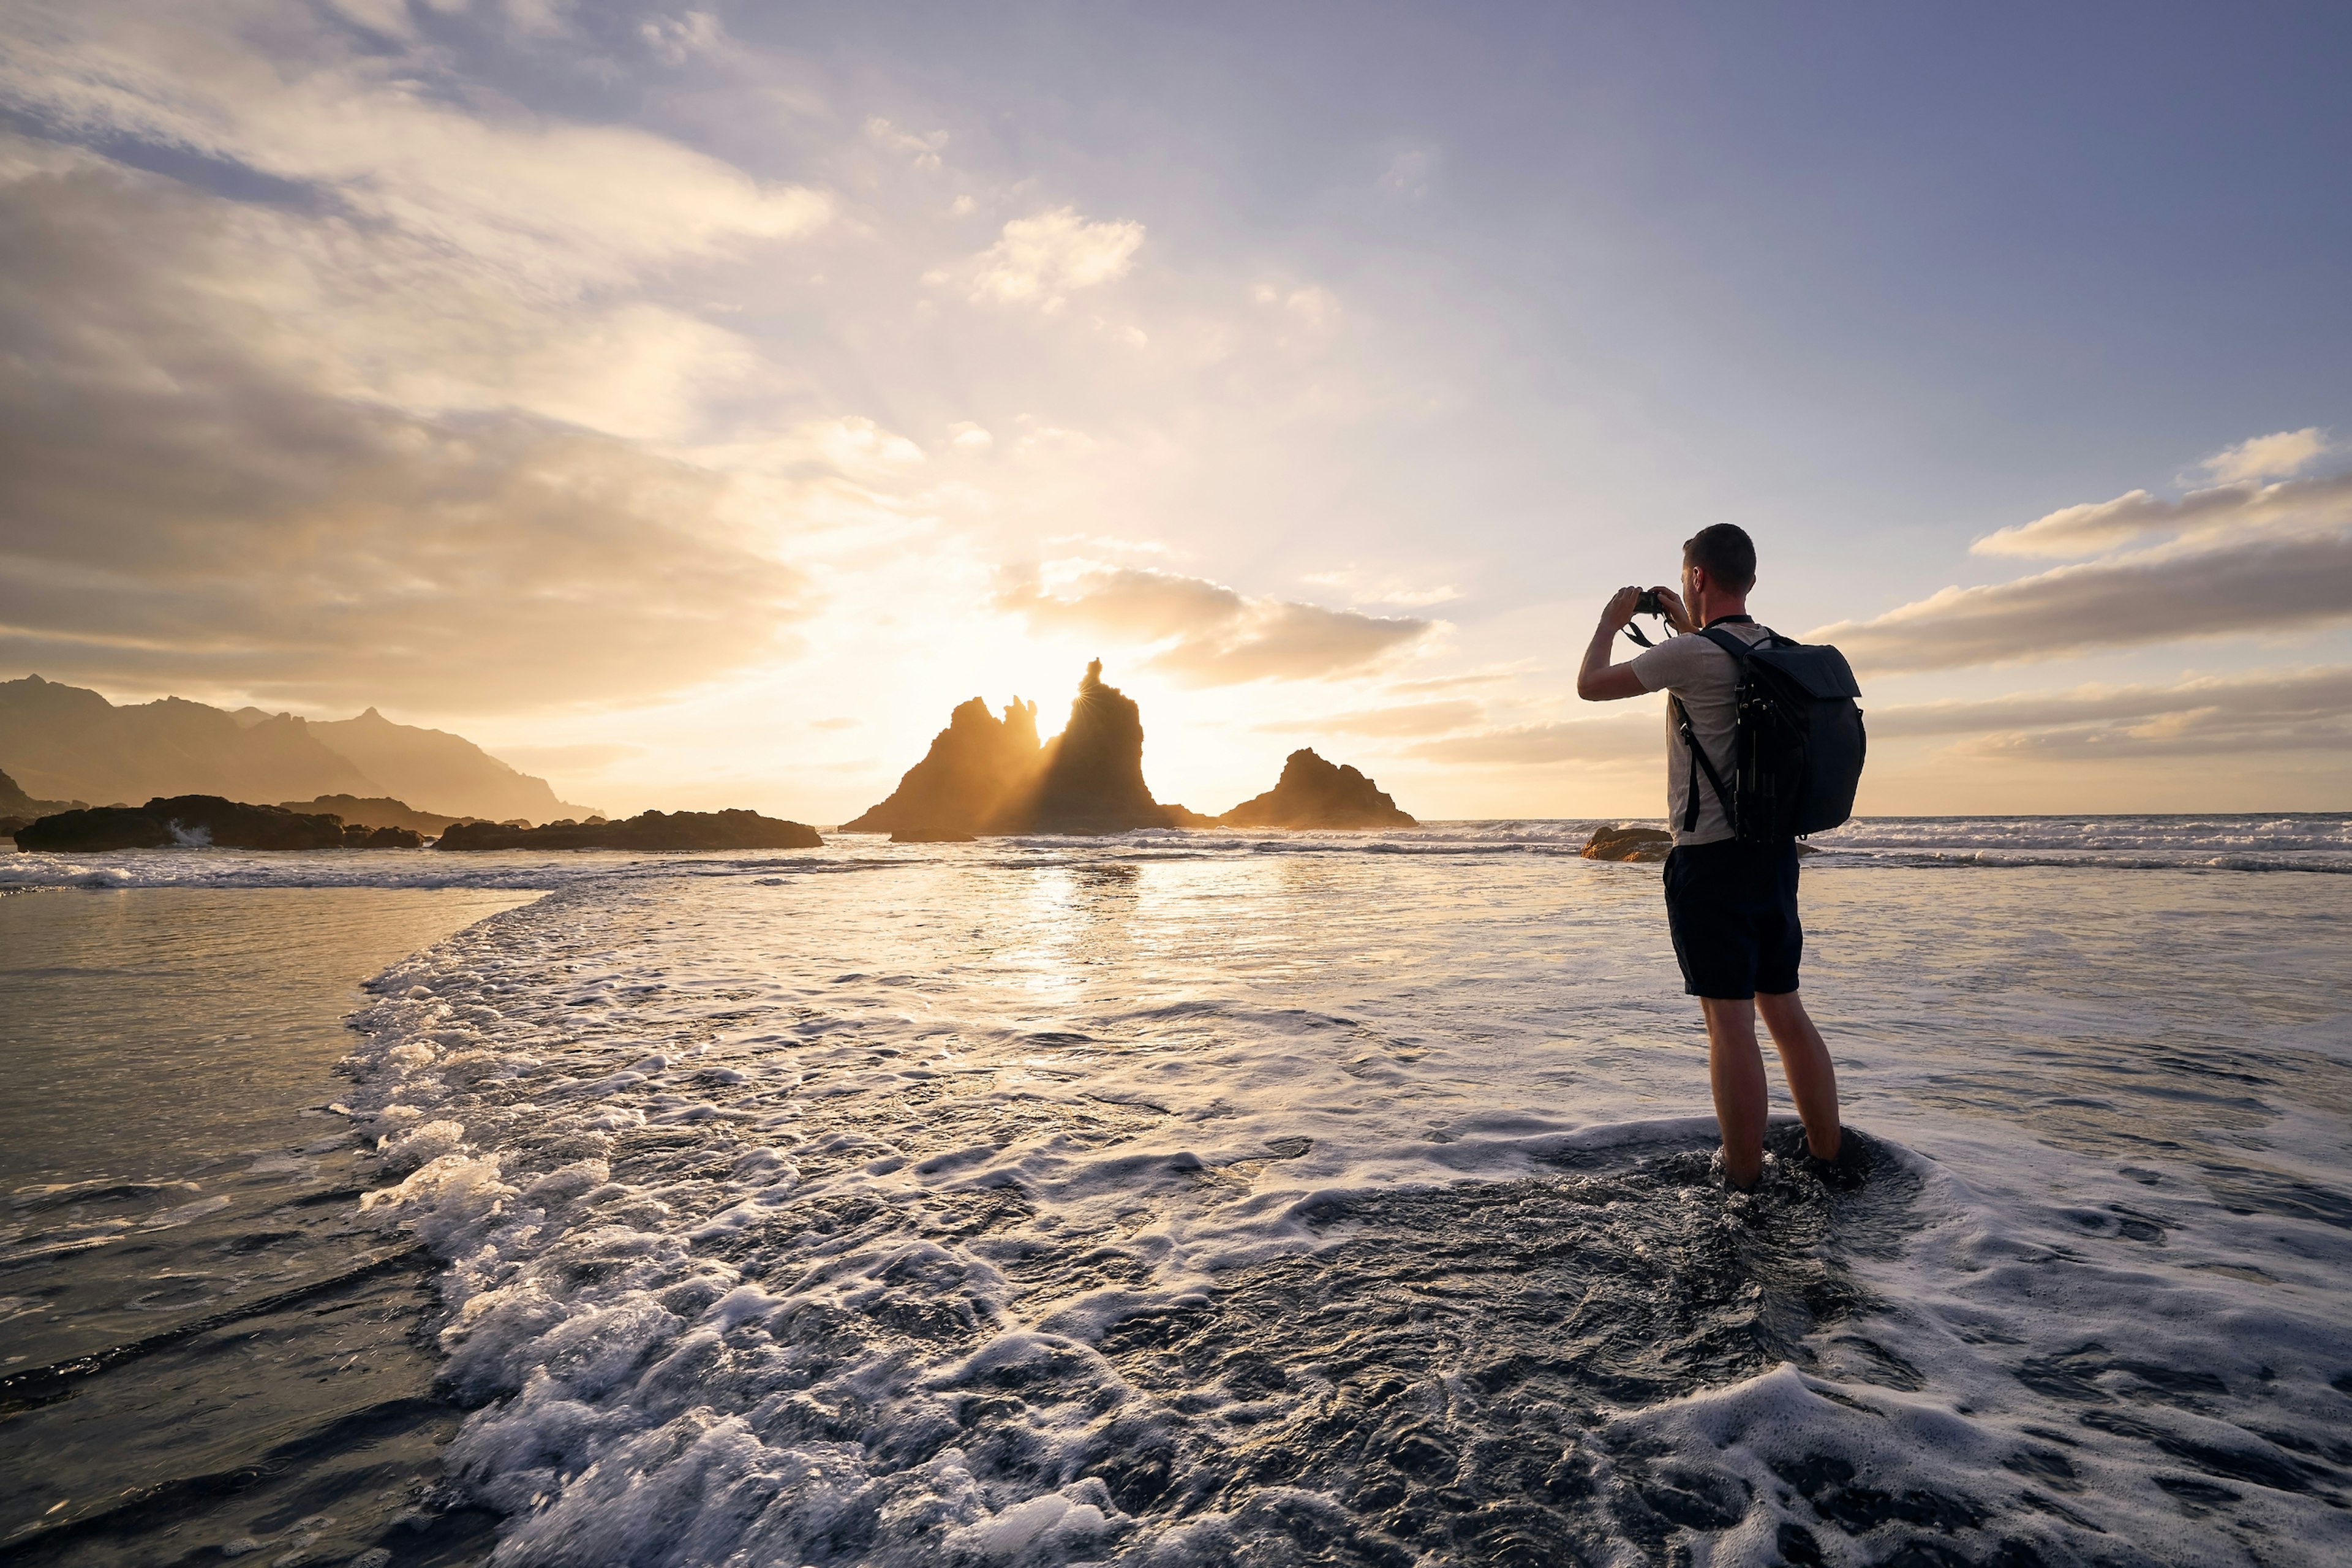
x=1677, y=613
x=1598, y=680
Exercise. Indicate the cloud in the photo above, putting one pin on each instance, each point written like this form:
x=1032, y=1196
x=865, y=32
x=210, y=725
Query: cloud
x=1405, y=719
x=673, y=40
x=2152, y=596
x=2268, y=457
x=1473, y=678
x=1040, y=260
x=1214, y=635
x=1407, y=177
x=2221, y=510
x=204, y=486
x=2226, y=559
x=1387, y=589
x=2298, y=710
x=555, y=209
x=922, y=151
x=1610, y=742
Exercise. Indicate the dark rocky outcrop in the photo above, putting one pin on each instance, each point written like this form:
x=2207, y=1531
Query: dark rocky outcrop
x=1093, y=778
x=196, y=821
x=1627, y=842
x=648, y=830
x=979, y=769
x=377, y=811
x=986, y=774
x=1313, y=792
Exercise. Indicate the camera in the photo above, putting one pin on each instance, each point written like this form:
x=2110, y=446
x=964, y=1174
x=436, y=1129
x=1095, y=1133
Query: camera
x=1648, y=605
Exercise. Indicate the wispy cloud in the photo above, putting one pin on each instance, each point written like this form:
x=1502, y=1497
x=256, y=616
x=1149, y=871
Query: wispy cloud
x=2268, y=457
x=1610, y=742
x=1211, y=635
x=2222, y=560
x=1040, y=261
x=2297, y=711
x=1405, y=719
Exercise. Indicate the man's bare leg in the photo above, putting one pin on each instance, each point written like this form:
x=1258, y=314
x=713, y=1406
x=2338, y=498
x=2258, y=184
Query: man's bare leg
x=1735, y=1071
x=1812, y=1078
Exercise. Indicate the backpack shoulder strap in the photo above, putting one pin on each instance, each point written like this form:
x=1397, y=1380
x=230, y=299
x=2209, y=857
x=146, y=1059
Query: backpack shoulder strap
x=1738, y=650
x=1737, y=647
x=1698, y=760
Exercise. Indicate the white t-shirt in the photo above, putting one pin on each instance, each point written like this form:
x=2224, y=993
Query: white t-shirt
x=1707, y=679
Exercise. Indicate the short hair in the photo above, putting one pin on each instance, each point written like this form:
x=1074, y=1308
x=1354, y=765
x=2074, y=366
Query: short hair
x=1727, y=554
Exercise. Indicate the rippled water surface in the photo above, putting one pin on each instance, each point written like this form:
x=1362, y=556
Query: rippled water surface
x=1346, y=1199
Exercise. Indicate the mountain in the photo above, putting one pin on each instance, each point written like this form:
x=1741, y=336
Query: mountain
x=64, y=741
x=985, y=775
x=377, y=812
x=15, y=801
x=436, y=771
x=1313, y=792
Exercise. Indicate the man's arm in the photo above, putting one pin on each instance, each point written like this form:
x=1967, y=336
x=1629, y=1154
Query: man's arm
x=1599, y=680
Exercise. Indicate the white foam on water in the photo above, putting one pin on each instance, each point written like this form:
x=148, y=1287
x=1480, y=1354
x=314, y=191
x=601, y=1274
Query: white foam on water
x=1042, y=1202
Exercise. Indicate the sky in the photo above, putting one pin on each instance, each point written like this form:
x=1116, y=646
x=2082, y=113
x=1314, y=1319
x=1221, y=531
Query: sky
x=692, y=405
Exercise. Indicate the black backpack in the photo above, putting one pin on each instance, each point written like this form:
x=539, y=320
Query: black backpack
x=1799, y=744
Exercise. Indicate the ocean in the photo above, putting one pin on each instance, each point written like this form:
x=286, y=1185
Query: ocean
x=1211, y=1198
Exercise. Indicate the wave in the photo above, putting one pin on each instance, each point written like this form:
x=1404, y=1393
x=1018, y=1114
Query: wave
x=2310, y=842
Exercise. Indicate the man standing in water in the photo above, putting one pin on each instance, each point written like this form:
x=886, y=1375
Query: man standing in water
x=1731, y=907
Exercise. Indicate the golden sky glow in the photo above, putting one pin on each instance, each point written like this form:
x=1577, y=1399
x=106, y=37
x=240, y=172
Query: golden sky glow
x=695, y=410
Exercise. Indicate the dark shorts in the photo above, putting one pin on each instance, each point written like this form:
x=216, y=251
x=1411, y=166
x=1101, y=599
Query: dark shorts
x=1732, y=907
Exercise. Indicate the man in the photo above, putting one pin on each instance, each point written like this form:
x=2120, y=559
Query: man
x=1731, y=907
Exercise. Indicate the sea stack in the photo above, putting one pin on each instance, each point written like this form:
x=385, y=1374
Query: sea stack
x=986, y=774
x=1093, y=778
x=977, y=769
x=1313, y=792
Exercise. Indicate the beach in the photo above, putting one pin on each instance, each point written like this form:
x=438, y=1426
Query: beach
x=1231, y=1198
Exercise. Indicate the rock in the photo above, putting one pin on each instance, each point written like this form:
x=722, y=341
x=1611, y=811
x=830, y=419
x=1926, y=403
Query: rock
x=11, y=826
x=977, y=767
x=187, y=822
x=985, y=775
x=1093, y=777
x=1627, y=842
x=648, y=830
x=376, y=811
x=1313, y=792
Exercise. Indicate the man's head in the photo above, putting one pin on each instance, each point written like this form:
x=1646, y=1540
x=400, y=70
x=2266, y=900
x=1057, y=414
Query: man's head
x=1718, y=567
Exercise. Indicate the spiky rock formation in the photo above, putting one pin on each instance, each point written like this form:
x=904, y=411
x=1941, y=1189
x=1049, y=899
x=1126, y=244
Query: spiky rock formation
x=1313, y=792
x=977, y=768
x=1093, y=778
x=984, y=775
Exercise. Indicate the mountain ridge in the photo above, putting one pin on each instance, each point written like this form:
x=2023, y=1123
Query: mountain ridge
x=69, y=742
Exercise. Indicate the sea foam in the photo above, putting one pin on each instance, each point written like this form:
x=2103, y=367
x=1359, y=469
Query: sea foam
x=1043, y=1202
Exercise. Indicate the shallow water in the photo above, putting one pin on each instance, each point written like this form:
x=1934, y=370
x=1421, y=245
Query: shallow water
x=198, y=1342
x=1344, y=1199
